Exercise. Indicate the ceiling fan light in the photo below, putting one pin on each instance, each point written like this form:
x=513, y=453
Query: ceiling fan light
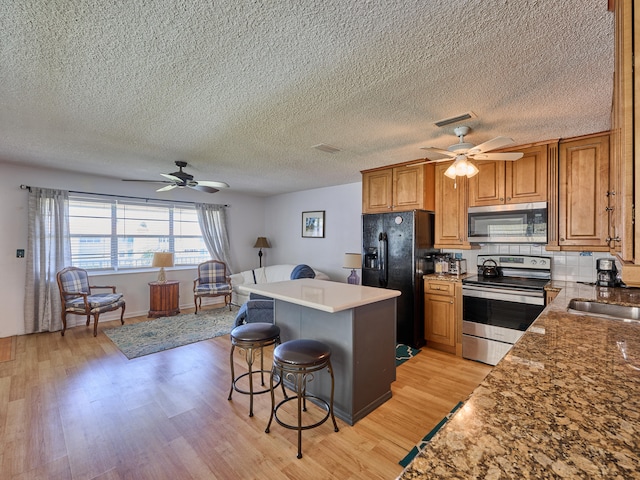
x=450, y=172
x=471, y=170
x=461, y=167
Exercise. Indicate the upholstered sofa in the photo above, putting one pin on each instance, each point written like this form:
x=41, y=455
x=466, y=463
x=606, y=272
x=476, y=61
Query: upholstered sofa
x=272, y=273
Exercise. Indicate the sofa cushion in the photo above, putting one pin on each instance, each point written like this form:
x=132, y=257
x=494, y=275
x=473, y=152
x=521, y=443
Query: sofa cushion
x=302, y=271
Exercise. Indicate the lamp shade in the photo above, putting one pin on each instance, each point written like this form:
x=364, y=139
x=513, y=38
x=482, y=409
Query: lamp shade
x=352, y=260
x=262, y=242
x=162, y=259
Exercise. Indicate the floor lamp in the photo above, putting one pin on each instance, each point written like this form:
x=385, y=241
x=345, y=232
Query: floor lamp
x=261, y=243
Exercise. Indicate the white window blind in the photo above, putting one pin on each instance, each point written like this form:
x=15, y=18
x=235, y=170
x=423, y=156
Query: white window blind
x=120, y=234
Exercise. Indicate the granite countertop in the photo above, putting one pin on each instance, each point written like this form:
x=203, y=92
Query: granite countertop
x=563, y=403
x=446, y=277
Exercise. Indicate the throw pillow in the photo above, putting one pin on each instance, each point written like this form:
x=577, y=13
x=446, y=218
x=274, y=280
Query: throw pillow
x=302, y=271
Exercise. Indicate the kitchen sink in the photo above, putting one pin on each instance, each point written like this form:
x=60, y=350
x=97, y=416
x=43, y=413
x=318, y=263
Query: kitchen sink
x=608, y=310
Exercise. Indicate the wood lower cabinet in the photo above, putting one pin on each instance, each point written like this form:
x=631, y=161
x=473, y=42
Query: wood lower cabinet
x=164, y=299
x=443, y=315
x=583, y=171
x=520, y=181
x=550, y=295
x=398, y=189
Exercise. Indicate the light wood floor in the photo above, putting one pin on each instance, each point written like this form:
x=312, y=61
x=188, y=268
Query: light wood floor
x=74, y=407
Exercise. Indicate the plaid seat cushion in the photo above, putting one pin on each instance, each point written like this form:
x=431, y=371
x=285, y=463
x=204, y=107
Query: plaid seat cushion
x=211, y=288
x=99, y=302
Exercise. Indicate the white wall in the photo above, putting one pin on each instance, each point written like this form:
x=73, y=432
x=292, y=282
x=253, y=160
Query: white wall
x=343, y=218
x=246, y=217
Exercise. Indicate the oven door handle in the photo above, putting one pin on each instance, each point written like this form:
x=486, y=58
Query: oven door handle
x=507, y=295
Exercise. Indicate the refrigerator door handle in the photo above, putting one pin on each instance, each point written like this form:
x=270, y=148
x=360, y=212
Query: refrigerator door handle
x=384, y=274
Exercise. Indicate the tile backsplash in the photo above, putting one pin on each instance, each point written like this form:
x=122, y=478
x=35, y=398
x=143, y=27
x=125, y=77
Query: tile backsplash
x=565, y=266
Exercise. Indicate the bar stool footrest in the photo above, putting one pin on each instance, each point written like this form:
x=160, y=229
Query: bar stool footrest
x=324, y=405
x=255, y=392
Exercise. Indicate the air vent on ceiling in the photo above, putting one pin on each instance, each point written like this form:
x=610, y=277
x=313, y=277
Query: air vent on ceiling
x=326, y=148
x=459, y=118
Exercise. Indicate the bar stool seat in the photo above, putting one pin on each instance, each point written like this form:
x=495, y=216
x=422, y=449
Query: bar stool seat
x=250, y=337
x=296, y=361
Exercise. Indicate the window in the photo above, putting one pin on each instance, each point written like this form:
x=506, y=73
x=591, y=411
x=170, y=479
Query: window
x=121, y=233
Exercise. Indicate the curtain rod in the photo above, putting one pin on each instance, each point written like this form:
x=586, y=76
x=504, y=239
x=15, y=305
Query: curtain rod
x=28, y=187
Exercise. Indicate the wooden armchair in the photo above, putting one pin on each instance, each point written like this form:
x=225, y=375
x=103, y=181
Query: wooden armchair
x=77, y=297
x=212, y=281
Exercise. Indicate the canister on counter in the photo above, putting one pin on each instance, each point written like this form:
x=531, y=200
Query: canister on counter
x=457, y=266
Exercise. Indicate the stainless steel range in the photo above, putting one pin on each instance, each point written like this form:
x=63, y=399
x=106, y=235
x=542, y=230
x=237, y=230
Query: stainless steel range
x=500, y=303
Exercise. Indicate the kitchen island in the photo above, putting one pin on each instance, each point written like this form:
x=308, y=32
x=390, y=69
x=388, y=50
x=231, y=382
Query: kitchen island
x=358, y=323
x=563, y=403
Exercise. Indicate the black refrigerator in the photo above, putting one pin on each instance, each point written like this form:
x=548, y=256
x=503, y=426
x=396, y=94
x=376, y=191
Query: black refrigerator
x=397, y=252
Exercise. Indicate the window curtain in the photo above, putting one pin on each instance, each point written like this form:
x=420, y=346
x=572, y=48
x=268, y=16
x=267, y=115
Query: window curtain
x=48, y=251
x=213, y=225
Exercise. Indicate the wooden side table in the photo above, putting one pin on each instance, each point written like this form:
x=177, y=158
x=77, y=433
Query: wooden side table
x=164, y=298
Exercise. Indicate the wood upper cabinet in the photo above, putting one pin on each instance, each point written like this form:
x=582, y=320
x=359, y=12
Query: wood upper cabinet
x=625, y=152
x=443, y=315
x=398, y=188
x=451, y=209
x=584, y=183
x=520, y=181
x=377, y=191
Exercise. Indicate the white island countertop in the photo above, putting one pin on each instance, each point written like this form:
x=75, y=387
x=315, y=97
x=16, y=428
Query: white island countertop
x=322, y=294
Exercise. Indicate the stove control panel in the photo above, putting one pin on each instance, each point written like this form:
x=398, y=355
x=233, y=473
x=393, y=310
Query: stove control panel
x=517, y=261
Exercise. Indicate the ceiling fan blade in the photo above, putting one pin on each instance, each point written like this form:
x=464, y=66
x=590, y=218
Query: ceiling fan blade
x=205, y=183
x=147, y=181
x=497, y=142
x=426, y=161
x=171, y=177
x=498, y=156
x=167, y=188
x=439, y=151
x=204, y=188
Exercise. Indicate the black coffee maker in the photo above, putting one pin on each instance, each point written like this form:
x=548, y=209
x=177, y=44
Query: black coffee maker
x=607, y=273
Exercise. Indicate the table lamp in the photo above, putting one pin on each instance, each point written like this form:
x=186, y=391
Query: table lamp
x=352, y=261
x=261, y=243
x=162, y=259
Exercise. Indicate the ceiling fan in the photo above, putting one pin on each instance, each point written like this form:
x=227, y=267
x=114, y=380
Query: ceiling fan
x=182, y=179
x=462, y=152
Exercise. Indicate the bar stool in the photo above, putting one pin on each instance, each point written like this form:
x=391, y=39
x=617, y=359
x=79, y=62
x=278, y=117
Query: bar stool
x=297, y=360
x=251, y=337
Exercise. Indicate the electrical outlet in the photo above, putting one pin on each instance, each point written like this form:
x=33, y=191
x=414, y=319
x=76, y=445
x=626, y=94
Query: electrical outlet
x=20, y=253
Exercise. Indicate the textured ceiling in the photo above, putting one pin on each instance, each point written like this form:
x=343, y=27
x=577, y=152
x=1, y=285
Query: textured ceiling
x=242, y=90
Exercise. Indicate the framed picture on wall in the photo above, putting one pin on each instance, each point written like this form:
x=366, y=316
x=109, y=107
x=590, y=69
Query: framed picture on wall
x=313, y=224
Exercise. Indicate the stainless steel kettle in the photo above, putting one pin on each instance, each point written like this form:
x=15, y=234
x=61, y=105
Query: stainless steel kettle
x=489, y=270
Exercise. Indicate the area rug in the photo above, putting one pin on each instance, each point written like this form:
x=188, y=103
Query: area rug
x=427, y=438
x=404, y=353
x=143, y=338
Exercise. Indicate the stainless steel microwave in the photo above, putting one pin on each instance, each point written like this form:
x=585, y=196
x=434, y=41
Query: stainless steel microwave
x=514, y=223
